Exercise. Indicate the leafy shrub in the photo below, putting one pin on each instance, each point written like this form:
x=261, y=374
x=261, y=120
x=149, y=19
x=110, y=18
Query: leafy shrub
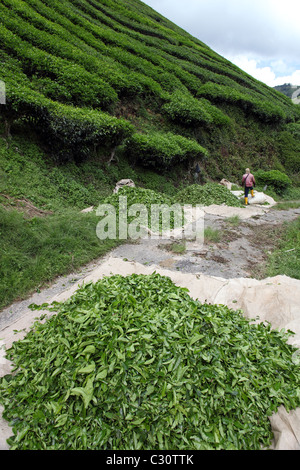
x=134, y=363
x=289, y=147
x=276, y=179
x=158, y=149
x=69, y=132
x=210, y=193
x=74, y=132
x=261, y=108
x=189, y=111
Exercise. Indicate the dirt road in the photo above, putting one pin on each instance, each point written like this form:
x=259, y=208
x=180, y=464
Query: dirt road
x=240, y=250
x=240, y=253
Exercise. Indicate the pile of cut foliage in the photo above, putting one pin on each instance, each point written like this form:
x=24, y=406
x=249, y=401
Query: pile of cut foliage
x=135, y=195
x=210, y=193
x=135, y=363
x=146, y=206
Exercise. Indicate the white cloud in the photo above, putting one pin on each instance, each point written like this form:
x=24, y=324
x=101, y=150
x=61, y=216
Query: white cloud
x=266, y=74
x=262, y=37
x=266, y=27
x=294, y=79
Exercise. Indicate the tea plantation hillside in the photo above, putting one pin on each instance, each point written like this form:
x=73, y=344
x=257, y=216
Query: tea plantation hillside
x=114, y=78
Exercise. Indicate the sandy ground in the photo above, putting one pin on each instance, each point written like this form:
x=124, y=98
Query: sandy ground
x=219, y=272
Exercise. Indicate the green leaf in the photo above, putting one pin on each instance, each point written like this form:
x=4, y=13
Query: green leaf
x=87, y=369
x=86, y=393
x=195, y=338
x=61, y=420
x=101, y=375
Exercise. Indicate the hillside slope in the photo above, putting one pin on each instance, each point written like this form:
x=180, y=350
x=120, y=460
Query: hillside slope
x=108, y=78
x=287, y=89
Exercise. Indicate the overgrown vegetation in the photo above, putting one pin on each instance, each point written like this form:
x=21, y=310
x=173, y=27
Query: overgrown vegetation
x=277, y=180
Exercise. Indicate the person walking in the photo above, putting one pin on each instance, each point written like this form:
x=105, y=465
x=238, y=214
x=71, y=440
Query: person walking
x=249, y=182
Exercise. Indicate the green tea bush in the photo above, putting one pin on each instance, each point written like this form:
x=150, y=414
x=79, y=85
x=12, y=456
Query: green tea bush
x=261, y=108
x=210, y=193
x=134, y=363
x=69, y=132
x=279, y=181
x=84, y=88
x=187, y=110
x=162, y=149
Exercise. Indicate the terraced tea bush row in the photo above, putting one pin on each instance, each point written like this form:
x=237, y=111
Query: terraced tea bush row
x=188, y=111
x=70, y=132
x=264, y=110
x=162, y=149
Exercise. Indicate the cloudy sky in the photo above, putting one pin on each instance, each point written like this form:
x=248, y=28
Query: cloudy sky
x=261, y=37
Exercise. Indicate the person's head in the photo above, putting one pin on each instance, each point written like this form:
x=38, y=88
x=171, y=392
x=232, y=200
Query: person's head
x=248, y=170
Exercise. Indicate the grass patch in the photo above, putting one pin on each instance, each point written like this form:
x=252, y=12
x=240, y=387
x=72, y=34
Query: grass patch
x=234, y=220
x=285, y=260
x=212, y=235
x=34, y=252
x=284, y=206
x=175, y=247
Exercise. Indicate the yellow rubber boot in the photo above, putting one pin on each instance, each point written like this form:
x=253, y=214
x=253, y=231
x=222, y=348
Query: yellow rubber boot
x=252, y=193
x=246, y=201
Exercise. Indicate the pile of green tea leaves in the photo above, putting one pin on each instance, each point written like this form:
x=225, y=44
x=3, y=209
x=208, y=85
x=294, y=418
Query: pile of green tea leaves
x=131, y=363
x=136, y=195
x=138, y=204
x=210, y=193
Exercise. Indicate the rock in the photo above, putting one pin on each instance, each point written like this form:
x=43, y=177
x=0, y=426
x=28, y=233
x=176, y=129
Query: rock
x=226, y=183
x=88, y=209
x=124, y=182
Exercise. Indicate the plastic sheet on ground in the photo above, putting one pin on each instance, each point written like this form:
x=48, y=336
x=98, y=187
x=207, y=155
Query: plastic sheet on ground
x=276, y=300
x=259, y=198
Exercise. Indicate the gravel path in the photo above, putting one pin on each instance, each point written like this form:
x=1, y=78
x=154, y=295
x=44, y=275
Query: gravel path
x=240, y=250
